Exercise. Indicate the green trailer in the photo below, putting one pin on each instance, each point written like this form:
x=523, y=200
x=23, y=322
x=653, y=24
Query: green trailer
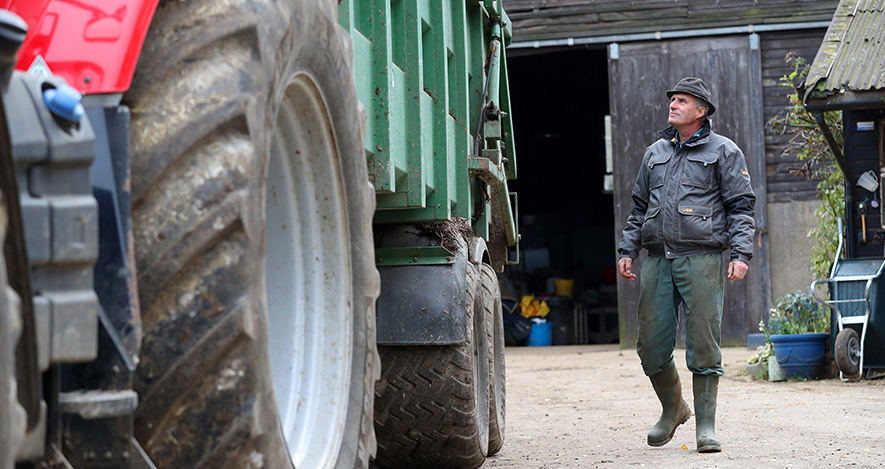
x=432, y=77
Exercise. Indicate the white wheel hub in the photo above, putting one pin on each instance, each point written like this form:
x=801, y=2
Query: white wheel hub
x=308, y=277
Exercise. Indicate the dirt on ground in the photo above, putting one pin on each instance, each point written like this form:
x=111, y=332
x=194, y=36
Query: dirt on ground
x=591, y=406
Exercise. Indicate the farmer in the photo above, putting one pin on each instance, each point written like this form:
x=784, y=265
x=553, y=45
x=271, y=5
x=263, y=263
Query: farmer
x=692, y=201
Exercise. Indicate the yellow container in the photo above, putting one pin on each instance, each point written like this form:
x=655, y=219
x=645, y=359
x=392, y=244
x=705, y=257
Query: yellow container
x=564, y=286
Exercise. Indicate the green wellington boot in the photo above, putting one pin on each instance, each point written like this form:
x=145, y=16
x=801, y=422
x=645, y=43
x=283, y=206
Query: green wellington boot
x=706, y=388
x=675, y=410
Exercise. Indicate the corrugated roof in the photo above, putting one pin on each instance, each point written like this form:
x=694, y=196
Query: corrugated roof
x=852, y=55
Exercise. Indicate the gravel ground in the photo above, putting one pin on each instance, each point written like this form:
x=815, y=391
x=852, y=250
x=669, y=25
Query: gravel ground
x=591, y=406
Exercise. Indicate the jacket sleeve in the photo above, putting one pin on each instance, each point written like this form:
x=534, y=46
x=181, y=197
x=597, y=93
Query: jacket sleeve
x=631, y=237
x=740, y=204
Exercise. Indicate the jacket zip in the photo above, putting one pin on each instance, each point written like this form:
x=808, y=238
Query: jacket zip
x=668, y=187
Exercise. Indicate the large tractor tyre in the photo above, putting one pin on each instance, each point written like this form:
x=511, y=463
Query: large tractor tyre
x=252, y=220
x=431, y=404
x=847, y=352
x=497, y=374
x=12, y=418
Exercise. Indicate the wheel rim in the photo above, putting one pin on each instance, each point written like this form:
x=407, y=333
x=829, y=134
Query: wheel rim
x=499, y=363
x=308, y=278
x=481, y=367
x=854, y=352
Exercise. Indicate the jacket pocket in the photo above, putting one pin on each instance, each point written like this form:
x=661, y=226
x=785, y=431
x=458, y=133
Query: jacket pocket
x=700, y=169
x=651, y=227
x=657, y=170
x=696, y=223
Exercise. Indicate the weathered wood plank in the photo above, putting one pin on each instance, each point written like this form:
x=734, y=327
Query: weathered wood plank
x=781, y=197
x=540, y=19
x=784, y=176
x=598, y=5
x=651, y=15
x=613, y=12
x=792, y=186
x=775, y=47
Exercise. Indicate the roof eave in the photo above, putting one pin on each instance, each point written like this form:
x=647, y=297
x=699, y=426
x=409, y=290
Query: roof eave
x=845, y=100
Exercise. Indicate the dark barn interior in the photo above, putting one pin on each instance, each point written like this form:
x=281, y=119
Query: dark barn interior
x=566, y=216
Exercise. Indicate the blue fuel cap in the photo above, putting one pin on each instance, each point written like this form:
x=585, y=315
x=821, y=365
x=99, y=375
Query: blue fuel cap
x=64, y=102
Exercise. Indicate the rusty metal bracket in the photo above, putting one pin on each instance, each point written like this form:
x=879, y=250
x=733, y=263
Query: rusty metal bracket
x=515, y=203
x=91, y=405
x=484, y=169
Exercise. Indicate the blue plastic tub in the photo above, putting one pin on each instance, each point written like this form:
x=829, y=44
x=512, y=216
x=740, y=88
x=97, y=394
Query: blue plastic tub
x=800, y=355
x=541, y=334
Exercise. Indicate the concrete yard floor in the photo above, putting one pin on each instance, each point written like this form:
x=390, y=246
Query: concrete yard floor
x=591, y=406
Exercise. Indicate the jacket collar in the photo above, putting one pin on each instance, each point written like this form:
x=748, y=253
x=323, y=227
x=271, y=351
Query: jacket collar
x=669, y=134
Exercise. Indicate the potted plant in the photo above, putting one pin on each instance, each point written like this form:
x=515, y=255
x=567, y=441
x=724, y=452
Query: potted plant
x=757, y=365
x=797, y=329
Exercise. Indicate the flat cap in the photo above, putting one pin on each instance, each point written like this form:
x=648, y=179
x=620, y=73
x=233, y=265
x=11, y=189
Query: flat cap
x=695, y=87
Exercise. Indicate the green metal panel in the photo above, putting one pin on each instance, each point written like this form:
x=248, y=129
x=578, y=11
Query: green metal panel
x=426, y=255
x=421, y=71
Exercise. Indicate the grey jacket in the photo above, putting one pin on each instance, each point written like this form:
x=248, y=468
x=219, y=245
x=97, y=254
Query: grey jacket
x=691, y=198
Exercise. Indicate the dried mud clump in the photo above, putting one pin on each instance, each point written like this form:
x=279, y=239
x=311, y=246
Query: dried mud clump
x=452, y=234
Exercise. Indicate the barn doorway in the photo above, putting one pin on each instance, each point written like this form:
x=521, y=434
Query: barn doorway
x=566, y=214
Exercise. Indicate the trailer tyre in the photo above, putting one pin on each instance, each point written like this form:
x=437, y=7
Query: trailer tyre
x=431, y=404
x=252, y=223
x=497, y=373
x=847, y=352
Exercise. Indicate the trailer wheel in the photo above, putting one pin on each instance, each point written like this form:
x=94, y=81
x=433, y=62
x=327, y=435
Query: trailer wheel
x=847, y=352
x=252, y=221
x=431, y=404
x=497, y=373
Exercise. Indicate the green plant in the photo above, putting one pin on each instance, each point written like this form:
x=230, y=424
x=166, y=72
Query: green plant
x=796, y=313
x=763, y=353
x=810, y=147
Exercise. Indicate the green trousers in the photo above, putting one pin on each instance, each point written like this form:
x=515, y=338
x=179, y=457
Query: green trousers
x=698, y=284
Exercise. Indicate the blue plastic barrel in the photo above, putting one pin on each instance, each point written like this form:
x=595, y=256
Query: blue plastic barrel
x=541, y=334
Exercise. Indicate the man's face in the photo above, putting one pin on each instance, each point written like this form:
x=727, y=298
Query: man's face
x=684, y=110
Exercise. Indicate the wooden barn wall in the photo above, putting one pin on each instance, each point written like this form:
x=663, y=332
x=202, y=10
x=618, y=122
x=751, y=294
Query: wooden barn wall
x=559, y=19
x=782, y=185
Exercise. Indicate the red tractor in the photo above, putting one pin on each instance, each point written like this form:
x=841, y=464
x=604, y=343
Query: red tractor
x=161, y=335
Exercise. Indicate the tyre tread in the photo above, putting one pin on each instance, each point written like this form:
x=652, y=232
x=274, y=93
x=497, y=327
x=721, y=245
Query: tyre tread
x=842, y=352
x=202, y=103
x=410, y=432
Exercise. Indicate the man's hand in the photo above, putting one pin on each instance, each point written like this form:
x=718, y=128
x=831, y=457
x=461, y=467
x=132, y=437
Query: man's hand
x=737, y=270
x=624, y=266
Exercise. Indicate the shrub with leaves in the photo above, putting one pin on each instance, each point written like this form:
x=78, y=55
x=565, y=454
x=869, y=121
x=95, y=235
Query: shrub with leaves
x=763, y=353
x=817, y=163
x=796, y=313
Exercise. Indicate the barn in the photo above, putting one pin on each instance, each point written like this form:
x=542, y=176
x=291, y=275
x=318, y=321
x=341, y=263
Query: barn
x=587, y=81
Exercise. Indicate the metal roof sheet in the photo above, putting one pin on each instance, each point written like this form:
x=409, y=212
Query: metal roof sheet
x=852, y=56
